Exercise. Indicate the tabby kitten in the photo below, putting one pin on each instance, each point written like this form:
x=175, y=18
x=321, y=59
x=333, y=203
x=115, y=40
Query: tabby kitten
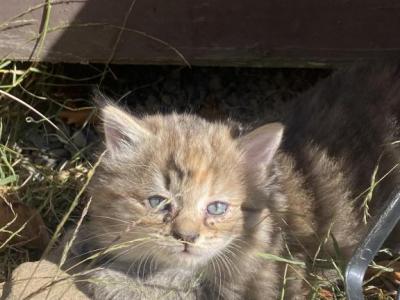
x=185, y=208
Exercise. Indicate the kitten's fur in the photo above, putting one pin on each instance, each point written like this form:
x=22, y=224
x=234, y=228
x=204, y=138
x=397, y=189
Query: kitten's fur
x=296, y=197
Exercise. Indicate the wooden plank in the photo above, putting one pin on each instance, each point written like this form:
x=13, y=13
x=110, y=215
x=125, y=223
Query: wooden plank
x=204, y=32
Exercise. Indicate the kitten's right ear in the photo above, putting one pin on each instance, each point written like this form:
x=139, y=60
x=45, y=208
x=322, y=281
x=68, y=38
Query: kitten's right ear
x=260, y=145
x=122, y=130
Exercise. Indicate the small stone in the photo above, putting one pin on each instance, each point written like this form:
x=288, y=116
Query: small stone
x=59, y=153
x=37, y=139
x=33, y=280
x=79, y=139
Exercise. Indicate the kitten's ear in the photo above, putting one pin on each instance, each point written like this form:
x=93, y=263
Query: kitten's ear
x=260, y=145
x=122, y=130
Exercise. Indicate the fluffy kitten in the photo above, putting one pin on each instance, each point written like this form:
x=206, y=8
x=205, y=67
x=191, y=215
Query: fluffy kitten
x=183, y=208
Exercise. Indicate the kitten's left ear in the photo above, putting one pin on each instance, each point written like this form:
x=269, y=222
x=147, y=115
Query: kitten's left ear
x=261, y=144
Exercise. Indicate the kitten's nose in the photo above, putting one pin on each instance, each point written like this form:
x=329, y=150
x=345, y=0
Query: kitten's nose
x=189, y=237
x=185, y=229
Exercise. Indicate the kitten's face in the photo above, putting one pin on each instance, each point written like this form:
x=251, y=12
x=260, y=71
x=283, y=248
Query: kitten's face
x=171, y=190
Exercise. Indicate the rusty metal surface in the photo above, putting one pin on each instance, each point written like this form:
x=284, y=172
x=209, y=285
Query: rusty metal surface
x=205, y=32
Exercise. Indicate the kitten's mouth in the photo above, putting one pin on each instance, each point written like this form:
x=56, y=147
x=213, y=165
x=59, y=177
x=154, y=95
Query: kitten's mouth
x=185, y=248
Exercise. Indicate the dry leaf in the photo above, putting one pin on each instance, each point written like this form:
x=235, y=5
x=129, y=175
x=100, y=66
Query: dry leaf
x=325, y=294
x=396, y=277
x=18, y=217
x=79, y=117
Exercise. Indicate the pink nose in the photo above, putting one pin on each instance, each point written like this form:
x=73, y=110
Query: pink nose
x=189, y=237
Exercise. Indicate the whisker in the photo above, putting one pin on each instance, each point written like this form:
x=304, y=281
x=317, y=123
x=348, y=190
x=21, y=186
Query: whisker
x=110, y=218
x=220, y=278
x=118, y=256
x=104, y=251
x=226, y=265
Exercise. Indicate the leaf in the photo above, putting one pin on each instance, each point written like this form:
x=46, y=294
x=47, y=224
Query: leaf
x=325, y=294
x=396, y=277
x=21, y=225
x=79, y=117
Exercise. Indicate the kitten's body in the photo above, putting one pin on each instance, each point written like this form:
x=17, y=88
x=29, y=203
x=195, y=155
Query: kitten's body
x=294, y=199
x=338, y=134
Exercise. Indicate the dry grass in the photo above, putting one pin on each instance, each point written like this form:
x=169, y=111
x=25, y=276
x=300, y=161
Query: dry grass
x=53, y=180
x=29, y=172
x=45, y=164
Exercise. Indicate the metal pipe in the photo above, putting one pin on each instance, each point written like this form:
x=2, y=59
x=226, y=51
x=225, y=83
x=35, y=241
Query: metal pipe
x=370, y=246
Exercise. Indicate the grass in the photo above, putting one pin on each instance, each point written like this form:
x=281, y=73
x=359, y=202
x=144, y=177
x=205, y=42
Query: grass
x=26, y=171
x=27, y=174
x=57, y=191
x=33, y=97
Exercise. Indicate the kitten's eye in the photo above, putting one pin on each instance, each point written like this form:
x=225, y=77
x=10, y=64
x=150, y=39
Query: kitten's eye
x=157, y=202
x=217, y=208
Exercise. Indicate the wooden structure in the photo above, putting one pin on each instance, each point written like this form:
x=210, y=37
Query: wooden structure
x=200, y=32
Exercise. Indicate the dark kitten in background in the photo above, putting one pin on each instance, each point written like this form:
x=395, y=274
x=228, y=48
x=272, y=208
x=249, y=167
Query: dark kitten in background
x=185, y=208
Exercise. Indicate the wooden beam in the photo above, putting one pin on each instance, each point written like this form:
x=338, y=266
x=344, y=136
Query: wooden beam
x=202, y=32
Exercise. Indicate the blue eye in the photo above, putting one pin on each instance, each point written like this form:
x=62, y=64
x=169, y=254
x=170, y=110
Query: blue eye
x=157, y=202
x=217, y=208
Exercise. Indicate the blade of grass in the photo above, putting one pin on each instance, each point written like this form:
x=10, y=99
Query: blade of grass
x=272, y=257
x=8, y=180
x=65, y=218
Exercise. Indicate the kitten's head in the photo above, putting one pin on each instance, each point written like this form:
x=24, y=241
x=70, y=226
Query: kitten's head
x=177, y=188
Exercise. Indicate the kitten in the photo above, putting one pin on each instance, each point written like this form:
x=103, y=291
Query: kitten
x=185, y=208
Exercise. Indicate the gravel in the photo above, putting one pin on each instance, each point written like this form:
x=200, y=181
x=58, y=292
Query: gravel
x=248, y=95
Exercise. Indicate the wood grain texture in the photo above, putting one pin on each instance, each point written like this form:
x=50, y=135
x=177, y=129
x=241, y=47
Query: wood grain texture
x=205, y=32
